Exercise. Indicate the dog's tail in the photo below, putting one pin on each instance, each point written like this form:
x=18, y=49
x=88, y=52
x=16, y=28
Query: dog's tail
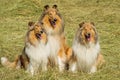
x=15, y=64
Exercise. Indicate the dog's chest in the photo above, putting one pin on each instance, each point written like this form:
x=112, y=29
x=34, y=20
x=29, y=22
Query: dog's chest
x=38, y=53
x=86, y=56
x=54, y=43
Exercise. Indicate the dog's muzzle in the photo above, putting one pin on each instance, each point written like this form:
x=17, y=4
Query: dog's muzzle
x=53, y=22
x=88, y=36
x=38, y=35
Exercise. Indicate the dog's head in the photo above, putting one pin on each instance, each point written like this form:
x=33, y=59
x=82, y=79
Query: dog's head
x=87, y=32
x=53, y=22
x=52, y=13
x=36, y=32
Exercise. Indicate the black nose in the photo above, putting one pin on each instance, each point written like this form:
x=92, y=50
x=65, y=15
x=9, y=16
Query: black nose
x=41, y=32
x=88, y=34
x=55, y=19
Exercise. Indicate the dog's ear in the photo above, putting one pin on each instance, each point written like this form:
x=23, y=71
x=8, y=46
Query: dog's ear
x=30, y=25
x=54, y=6
x=41, y=23
x=81, y=24
x=46, y=7
x=92, y=23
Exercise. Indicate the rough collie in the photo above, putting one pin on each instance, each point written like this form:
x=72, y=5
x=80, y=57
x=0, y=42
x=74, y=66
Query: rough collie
x=52, y=20
x=35, y=53
x=54, y=26
x=86, y=49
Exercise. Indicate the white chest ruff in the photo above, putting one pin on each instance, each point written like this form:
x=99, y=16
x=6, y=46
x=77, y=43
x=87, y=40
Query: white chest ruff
x=50, y=30
x=38, y=53
x=86, y=56
x=54, y=46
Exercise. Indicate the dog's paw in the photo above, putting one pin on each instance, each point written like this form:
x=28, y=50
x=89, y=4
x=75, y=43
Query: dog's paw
x=93, y=70
x=3, y=60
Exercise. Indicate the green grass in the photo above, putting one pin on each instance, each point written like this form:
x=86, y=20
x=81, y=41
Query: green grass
x=15, y=14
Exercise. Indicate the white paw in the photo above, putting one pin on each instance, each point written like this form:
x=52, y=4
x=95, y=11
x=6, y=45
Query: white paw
x=3, y=60
x=61, y=64
x=18, y=65
x=30, y=69
x=93, y=69
x=73, y=68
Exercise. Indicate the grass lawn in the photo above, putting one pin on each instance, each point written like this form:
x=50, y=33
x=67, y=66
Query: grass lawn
x=15, y=14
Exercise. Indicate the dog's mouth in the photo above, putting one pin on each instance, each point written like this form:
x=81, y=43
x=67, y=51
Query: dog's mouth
x=88, y=36
x=53, y=22
x=39, y=35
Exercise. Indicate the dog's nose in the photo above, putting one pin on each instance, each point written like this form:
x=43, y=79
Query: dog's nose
x=41, y=32
x=55, y=19
x=88, y=34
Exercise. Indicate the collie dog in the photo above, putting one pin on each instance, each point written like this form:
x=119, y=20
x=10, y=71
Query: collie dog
x=35, y=53
x=86, y=49
x=54, y=26
x=52, y=20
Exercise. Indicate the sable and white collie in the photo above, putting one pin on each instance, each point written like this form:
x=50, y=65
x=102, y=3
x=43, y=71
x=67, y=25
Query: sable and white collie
x=54, y=26
x=36, y=50
x=86, y=49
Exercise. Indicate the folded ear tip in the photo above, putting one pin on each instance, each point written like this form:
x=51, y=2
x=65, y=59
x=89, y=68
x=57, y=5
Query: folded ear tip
x=46, y=6
x=54, y=6
x=30, y=23
x=92, y=23
x=81, y=24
